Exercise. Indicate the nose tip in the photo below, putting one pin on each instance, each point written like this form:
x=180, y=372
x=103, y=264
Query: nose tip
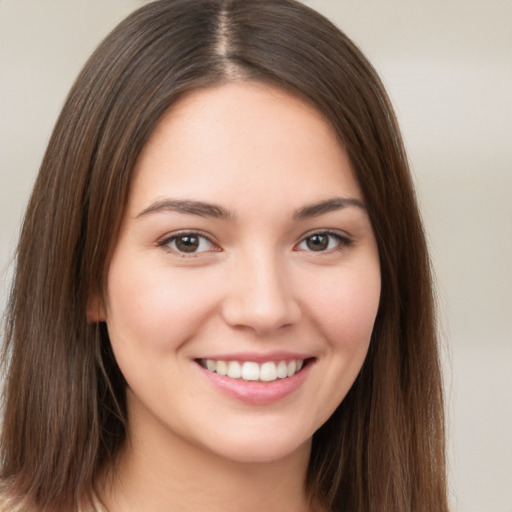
x=263, y=301
x=251, y=314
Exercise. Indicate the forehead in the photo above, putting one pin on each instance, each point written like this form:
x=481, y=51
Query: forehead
x=247, y=137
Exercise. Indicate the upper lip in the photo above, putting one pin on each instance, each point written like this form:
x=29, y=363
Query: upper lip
x=257, y=357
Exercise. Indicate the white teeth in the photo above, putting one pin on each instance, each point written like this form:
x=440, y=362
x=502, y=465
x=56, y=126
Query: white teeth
x=251, y=371
x=234, y=370
x=222, y=368
x=282, y=370
x=268, y=372
x=290, y=369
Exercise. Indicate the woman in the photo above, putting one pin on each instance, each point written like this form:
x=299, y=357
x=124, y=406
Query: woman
x=222, y=296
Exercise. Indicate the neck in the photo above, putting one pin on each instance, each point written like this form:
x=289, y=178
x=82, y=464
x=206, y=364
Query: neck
x=161, y=472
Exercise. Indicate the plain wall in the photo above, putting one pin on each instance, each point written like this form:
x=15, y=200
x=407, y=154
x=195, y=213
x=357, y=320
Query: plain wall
x=448, y=69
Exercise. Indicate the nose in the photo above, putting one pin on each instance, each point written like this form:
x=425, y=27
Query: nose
x=260, y=295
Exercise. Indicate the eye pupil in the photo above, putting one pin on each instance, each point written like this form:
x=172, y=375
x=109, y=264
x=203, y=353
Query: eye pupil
x=317, y=242
x=187, y=243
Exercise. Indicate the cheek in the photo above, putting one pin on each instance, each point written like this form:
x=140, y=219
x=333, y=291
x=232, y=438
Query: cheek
x=154, y=308
x=345, y=308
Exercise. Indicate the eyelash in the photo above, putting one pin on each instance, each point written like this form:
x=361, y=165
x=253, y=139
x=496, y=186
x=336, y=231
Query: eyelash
x=341, y=242
x=166, y=242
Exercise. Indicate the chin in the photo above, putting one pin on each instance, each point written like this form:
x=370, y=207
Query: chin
x=261, y=448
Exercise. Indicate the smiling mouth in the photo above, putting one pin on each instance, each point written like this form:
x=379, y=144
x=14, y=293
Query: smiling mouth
x=268, y=371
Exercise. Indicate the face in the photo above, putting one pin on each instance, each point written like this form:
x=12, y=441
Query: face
x=245, y=281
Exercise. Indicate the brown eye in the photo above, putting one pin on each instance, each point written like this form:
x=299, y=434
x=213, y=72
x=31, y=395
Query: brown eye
x=317, y=242
x=323, y=241
x=188, y=243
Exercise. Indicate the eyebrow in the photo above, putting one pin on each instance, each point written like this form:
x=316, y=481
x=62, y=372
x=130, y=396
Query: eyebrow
x=329, y=205
x=189, y=207
x=204, y=209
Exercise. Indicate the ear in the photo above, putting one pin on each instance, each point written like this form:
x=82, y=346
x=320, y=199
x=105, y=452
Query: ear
x=96, y=309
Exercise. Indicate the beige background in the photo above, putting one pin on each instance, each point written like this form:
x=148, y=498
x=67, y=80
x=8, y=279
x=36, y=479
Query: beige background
x=448, y=69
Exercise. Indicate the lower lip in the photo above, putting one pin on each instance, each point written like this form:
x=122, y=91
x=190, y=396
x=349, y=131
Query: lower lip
x=256, y=392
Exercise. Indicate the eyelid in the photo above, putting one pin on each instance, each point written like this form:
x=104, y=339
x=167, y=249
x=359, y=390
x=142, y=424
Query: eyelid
x=344, y=240
x=167, y=239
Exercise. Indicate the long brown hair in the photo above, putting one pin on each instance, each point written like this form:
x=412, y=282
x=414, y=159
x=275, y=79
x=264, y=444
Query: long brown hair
x=65, y=412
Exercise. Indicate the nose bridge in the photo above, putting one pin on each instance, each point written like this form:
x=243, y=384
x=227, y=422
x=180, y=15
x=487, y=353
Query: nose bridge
x=261, y=293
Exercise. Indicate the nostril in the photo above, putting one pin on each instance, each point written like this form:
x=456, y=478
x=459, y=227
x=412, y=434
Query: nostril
x=259, y=316
x=260, y=296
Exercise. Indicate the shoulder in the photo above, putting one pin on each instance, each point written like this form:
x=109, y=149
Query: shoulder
x=7, y=504
x=4, y=500
x=11, y=503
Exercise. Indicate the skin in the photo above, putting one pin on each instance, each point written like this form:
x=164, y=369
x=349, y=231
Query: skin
x=257, y=284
